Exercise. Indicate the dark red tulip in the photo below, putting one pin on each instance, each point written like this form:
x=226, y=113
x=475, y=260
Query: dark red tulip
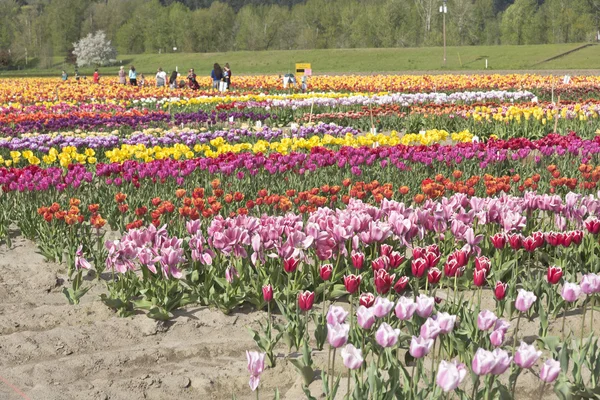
x=380, y=263
x=479, y=277
x=306, y=300
x=401, y=284
x=325, y=271
x=290, y=265
x=418, y=252
x=529, y=244
x=358, y=260
x=498, y=240
x=577, y=237
x=352, y=283
x=385, y=250
x=267, y=291
x=418, y=267
x=432, y=258
x=366, y=299
x=483, y=263
x=383, y=281
x=434, y=275
x=500, y=290
x=395, y=259
x=515, y=241
x=593, y=226
x=554, y=274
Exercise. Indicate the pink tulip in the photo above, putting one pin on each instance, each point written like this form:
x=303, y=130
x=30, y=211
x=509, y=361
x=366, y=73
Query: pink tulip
x=365, y=317
x=526, y=355
x=502, y=361
x=80, y=262
x=570, y=292
x=405, y=308
x=382, y=307
x=231, y=273
x=430, y=329
x=325, y=271
x=386, y=336
x=590, y=283
x=483, y=362
x=337, y=335
x=424, y=305
x=497, y=337
x=525, y=300
x=450, y=375
x=336, y=315
x=420, y=347
x=501, y=325
x=486, y=319
x=550, y=371
x=446, y=322
x=256, y=365
x=352, y=357
x=267, y=292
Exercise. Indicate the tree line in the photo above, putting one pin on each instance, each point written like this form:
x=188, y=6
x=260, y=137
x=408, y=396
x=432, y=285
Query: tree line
x=42, y=29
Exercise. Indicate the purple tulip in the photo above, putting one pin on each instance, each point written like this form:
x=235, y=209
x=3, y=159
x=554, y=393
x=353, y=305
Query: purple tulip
x=337, y=335
x=446, y=322
x=526, y=355
x=420, y=347
x=430, y=329
x=450, y=375
x=483, y=362
x=502, y=361
x=382, y=307
x=336, y=315
x=256, y=365
x=352, y=357
x=365, y=317
x=550, y=371
x=486, y=319
x=424, y=305
x=524, y=300
x=405, y=308
x=386, y=336
x=590, y=284
x=497, y=337
x=570, y=292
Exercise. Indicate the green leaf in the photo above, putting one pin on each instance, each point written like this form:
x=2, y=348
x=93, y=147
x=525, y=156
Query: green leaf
x=160, y=314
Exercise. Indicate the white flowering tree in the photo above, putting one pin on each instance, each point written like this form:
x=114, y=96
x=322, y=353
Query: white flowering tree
x=94, y=49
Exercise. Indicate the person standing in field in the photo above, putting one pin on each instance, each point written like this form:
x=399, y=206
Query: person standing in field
x=192, y=82
x=142, y=80
x=96, y=76
x=161, y=78
x=64, y=76
x=227, y=75
x=173, y=80
x=304, y=83
x=132, y=76
x=122, y=76
x=216, y=75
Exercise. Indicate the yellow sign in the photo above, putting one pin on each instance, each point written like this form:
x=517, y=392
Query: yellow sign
x=303, y=69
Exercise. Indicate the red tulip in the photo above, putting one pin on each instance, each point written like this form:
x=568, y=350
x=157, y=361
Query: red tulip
x=380, y=263
x=479, y=277
x=553, y=239
x=515, y=241
x=366, y=299
x=385, y=250
x=418, y=252
x=352, y=282
x=267, y=291
x=451, y=267
x=577, y=237
x=539, y=238
x=554, y=274
x=306, y=300
x=529, y=244
x=500, y=290
x=401, y=285
x=395, y=259
x=565, y=239
x=358, y=259
x=325, y=271
x=498, y=240
x=432, y=258
x=433, y=249
x=383, y=281
x=461, y=257
x=434, y=275
x=419, y=266
x=290, y=265
x=593, y=226
x=483, y=263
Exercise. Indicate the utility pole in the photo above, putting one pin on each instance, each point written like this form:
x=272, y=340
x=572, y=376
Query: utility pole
x=444, y=11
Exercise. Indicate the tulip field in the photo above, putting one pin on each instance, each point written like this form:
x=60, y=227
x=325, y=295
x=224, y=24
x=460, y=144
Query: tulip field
x=378, y=237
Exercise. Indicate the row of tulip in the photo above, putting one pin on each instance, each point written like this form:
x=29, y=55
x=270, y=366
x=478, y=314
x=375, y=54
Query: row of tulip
x=16, y=93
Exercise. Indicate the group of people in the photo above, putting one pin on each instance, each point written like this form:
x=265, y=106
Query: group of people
x=221, y=78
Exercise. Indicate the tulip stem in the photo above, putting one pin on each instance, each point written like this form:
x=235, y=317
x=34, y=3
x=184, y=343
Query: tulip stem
x=516, y=333
x=433, y=360
x=256, y=393
x=592, y=302
x=489, y=388
x=332, y=370
x=582, y=326
x=348, y=384
x=542, y=390
x=563, y=325
x=413, y=378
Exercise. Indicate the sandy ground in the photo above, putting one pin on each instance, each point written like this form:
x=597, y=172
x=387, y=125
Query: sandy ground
x=54, y=351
